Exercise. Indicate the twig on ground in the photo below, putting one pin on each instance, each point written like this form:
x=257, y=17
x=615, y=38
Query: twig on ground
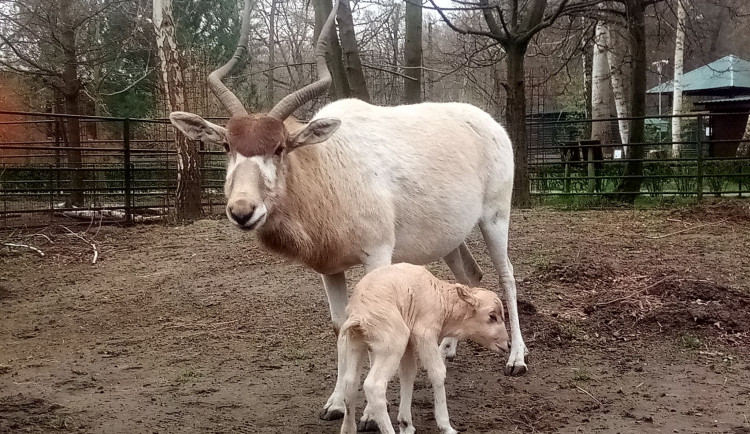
x=41, y=253
x=631, y=295
x=39, y=234
x=90, y=243
x=658, y=237
x=592, y=396
x=520, y=422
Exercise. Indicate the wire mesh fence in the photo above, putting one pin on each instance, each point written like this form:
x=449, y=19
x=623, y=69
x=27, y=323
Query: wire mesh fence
x=565, y=162
x=125, y=170
x=120, y=170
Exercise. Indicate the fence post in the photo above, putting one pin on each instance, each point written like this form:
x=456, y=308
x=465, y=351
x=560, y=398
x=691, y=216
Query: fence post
x=128, y=172
x=51, y=181
x=700, y=158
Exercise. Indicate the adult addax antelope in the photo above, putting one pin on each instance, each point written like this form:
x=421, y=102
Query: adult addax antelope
x=361, y=184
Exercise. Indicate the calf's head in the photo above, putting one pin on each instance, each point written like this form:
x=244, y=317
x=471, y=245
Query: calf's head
x=256, y=147
x=484, y=318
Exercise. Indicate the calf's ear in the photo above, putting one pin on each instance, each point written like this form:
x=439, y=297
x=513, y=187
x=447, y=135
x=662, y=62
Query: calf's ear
x=465, y=294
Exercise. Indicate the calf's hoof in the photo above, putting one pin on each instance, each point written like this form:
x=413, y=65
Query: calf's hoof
x=331, y=413
x=368, y=425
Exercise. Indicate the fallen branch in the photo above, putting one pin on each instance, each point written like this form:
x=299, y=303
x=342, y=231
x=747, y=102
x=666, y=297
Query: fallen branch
x=592, y=396
x=658, y=237
x=41, y=253
x=90, y=243
x=631, y=295
x=40, y=235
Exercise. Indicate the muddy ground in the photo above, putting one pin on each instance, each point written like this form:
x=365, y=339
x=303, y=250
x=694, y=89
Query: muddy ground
x=637, y=322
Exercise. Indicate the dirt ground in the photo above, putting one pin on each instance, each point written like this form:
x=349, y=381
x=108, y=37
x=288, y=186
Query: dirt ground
x=637, y=322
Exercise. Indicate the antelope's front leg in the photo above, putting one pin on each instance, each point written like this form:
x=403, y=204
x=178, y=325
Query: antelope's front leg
x=335, y=286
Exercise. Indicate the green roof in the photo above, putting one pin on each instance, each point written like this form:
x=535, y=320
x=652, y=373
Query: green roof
x=728, y=75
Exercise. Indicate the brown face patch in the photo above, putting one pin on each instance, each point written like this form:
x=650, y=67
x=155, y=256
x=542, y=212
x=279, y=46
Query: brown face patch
x=255, y=135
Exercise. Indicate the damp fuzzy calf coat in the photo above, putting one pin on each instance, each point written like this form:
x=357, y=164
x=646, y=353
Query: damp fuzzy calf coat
x=399, y=314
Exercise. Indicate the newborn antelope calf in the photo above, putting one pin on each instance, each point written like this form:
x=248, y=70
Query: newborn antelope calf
x=399, y=312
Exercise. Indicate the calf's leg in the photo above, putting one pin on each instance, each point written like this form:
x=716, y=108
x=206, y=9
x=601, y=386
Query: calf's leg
x=432, y=360
x=407, y=373
x=385, y=357
x=352, y=354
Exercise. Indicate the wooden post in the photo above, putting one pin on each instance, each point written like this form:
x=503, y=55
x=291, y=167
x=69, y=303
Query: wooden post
x=128, y=171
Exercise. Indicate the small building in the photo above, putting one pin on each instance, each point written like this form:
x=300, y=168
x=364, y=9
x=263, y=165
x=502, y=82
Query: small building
x=720, y=89
x=726, y=124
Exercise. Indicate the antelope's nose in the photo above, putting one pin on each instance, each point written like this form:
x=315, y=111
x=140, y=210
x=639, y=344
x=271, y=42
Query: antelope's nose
x=241, y=211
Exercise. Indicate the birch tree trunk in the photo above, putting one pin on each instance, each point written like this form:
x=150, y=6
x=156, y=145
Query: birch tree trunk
x=601, y=92
x=188, y=200
x=413, y=54
x=354, y=72
x=679, y=54
x=616, y=77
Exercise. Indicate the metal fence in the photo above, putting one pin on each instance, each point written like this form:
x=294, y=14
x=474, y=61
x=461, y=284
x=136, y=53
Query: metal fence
x=564, y=162
x=125, y=170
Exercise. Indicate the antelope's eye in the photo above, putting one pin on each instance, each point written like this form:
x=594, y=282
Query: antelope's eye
x=493, y=317
x=278, y=150
x=226, y=146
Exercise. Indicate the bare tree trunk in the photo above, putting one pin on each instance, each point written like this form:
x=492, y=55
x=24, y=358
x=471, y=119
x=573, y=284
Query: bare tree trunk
x=413, y=53
x=515, y=121
x=587, y=60
x=430, y=74
x=618, y=87
x=601, y=92
x=679, y=54
x=340, y=87
x=394, y=41
x=271, y=55
x=630, y=184
x=188, y=201
x=354, y=70
x=71, y=92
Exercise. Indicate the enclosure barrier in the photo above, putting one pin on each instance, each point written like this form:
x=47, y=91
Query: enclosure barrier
x=125, y=170
x=565, y=162
x=122, y=170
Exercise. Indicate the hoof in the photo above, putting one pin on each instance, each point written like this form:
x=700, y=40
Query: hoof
x=368, y=425
x=515, y=370
x=331, y=414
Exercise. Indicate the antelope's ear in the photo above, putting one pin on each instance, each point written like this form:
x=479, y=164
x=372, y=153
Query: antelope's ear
x=316, y=131
x=466, y=295
x=197, y=128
